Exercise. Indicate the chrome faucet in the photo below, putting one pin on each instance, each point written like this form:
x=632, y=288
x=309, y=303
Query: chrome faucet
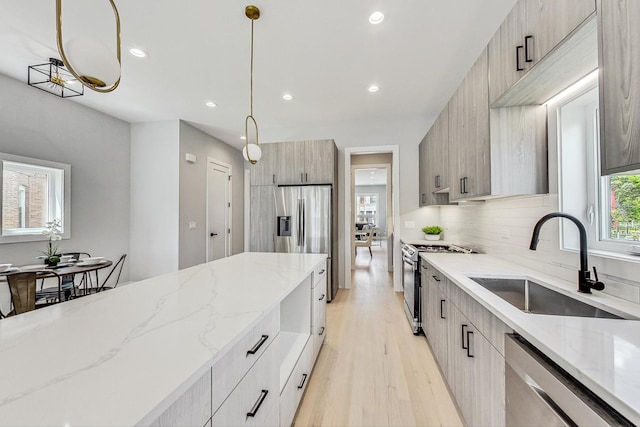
x=585, y=282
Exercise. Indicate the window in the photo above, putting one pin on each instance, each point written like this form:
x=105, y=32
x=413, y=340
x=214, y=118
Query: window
x=608, y=206
x=367, y=208
x=34, y=192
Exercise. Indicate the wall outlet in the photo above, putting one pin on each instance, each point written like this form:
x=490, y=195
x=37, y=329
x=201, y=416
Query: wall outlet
x=409, y=224
x=192, y=225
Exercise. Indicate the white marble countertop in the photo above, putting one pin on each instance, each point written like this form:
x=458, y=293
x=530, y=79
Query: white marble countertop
x=122, y=357
x=603, y=354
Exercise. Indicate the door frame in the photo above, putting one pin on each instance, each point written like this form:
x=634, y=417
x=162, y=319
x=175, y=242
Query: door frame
x=229, y=232
x=395, y=196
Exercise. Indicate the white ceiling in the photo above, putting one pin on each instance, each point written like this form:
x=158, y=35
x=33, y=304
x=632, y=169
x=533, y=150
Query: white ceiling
x=325, y=53
x=371, y=176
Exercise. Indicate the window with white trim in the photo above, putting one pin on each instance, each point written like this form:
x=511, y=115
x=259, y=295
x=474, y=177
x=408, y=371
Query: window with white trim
x=34, y=192
x=608, y=206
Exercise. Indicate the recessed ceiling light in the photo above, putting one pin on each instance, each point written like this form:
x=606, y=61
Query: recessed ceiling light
x=373, y=88
x=372, y=172
x=138, y=53
x=243, y=137
x=287, y=97
x=211, y=104
x=376, y=17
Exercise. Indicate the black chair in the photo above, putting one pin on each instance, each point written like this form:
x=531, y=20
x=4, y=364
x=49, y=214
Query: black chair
x=53, y=294
x=105, y=286
x=68, y=281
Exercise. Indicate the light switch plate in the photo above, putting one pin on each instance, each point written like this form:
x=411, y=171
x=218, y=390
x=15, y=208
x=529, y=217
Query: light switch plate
x=409, y=224
x=192, y=225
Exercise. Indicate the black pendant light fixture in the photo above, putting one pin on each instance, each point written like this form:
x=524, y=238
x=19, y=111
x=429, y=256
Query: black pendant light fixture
x=54, y=78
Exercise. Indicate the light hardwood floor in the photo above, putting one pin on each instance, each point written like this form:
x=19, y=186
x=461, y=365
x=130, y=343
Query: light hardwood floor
x=372, y=371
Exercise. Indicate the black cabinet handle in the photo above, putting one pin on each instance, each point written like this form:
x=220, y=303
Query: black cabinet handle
x=461, y=186
x=214, y=234
x=469, y=336
x=256, y=406
x=442, y=309
x=259, y=344
x=526, y=49
x=321, y=331
x=464, y=347
x=274, y=178
x=306, y=177
x=436, y=278
x=321, y=297
x=518, y=66
x=301, y=177
x=304, y=379
x=424, y=198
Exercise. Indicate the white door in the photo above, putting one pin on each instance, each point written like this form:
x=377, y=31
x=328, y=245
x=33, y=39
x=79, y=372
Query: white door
x=218, y=210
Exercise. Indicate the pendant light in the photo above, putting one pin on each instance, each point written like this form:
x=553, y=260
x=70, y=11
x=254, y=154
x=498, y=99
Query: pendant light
x=94, y=65
x=251, y=152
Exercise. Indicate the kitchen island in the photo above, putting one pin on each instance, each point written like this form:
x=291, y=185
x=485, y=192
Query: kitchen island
x=124, y=357
x=602, y=354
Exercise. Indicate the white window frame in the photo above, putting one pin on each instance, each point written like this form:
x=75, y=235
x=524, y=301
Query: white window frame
x=60, y=188
x=593, y=217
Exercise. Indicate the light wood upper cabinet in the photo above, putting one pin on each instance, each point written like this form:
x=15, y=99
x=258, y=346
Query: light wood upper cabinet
x=506, y=58
x=469, y=146
x=434, y=162
x=303, y=162
x=551, y=21
x=264, y=172
x=263, y=218
x=319, y=160
x=532, y=29
x=619, y=38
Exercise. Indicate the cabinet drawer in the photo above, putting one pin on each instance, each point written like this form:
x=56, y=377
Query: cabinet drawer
x=232, y=366
x=193, y=408
x=296, y=385
x=255, y=401
x=319, y=325
x=320, y=274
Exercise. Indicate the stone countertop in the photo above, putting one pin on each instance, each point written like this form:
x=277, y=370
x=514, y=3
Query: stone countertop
x=122, y=357
x=603, y=354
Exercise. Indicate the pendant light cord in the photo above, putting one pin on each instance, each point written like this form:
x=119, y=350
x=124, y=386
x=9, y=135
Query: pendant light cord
x=251, y=73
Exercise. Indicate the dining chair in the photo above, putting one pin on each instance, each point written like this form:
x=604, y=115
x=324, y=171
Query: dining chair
x=52, y=294
x=22, y=287
x=68, y=281
x=105, y=286
x=366, y=242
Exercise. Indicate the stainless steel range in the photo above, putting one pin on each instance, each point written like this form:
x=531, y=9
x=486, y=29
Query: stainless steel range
x=411, y=278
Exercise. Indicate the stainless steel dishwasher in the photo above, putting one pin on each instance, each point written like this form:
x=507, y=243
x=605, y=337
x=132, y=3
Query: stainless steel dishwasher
x=540, y=393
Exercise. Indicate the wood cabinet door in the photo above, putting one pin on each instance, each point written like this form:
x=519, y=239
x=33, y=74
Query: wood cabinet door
x=263, y=218
x=319, y=161
x=440, y=151
x=263, y=172
x=423, y=172
x=504, y=56
x=459, y=377
x=456, y=144
x=290, y=161
x=619, y=24
x=549, y=22
x=477, y=176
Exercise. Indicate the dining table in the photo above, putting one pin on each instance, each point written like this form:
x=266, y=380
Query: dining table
x=88, y=272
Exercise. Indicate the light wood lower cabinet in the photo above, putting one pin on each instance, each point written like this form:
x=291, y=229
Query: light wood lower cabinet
x=193, y=408
x=473, y=366
x=255, y=400
x=291, y=395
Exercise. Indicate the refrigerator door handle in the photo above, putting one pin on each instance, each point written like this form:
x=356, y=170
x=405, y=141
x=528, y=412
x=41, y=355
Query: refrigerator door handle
x=299, y=233
x=304, y=230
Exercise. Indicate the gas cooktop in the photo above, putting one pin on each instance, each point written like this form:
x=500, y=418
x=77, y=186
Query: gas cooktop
x=450, y=249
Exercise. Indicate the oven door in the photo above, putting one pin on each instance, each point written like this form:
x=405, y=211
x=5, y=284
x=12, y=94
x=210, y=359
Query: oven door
x=409, y=269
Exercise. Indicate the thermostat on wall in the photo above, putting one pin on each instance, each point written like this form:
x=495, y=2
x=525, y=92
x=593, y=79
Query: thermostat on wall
x=191, y=158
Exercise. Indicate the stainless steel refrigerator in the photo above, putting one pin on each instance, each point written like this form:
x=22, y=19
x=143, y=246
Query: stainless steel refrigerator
x=303, y=223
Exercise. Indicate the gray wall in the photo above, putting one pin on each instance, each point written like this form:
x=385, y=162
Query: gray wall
x=40, y=125
x=154, y=198
x=193, y=194
x=381, y=191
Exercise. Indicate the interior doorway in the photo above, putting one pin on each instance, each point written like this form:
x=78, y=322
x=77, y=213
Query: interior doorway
x=218, y=210
x=371, y=211
x=391, y=162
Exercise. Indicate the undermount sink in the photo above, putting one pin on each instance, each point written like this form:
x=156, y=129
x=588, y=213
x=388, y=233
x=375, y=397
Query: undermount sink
x=532, y=297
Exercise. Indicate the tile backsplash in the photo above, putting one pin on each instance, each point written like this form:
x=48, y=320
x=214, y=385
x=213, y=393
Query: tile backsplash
x=503, y=227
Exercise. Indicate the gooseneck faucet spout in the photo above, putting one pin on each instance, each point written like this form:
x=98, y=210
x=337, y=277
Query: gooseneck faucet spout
x=585, y=283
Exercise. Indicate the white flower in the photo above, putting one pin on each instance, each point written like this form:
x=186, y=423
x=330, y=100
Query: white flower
x=56, y=237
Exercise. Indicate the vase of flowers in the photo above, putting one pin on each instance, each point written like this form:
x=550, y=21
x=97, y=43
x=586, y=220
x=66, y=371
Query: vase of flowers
x=53, y=232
